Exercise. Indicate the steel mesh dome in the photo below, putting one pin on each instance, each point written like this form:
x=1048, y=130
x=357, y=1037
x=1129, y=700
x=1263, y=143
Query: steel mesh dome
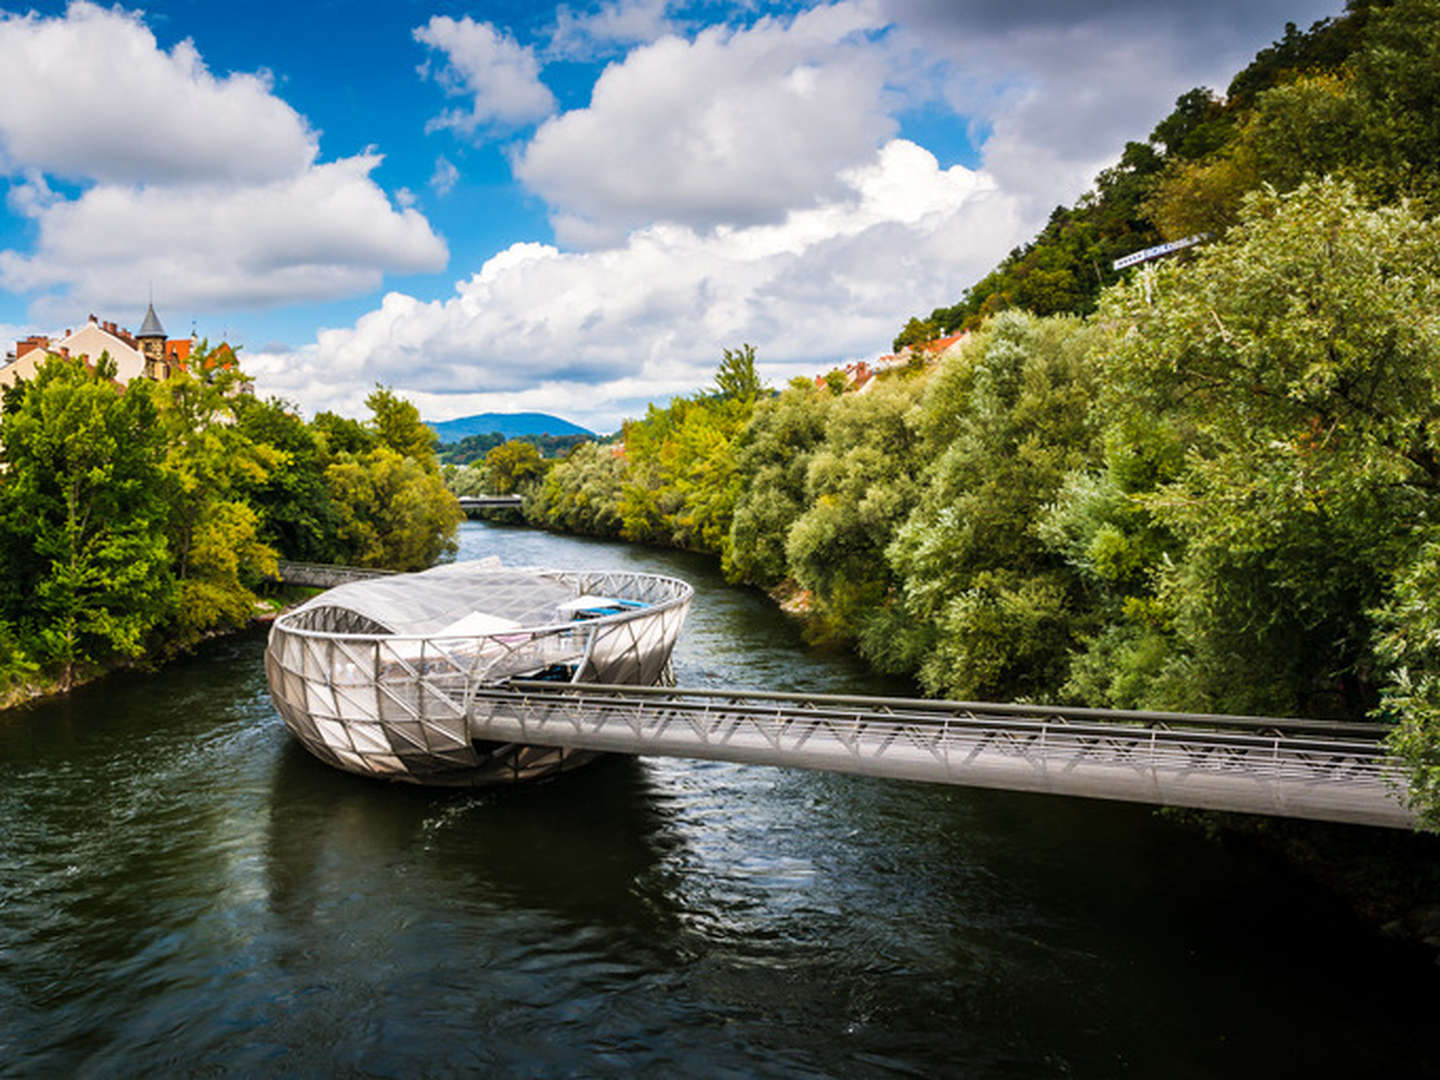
x=377, y=676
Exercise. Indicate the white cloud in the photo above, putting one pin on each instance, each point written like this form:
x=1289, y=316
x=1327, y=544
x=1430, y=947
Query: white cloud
x=92, y=96
x=501, y=76
x=445, y=176
x=320, y=234
x=621, y=22
x=595, y=335
x=208, y=189
x=1062, y=86
x=733, y=127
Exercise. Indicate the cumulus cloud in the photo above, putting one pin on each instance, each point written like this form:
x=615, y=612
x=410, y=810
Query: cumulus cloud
x=499, y=75
x=445, y=176
x=322, y=233
x=1060, y=87
x=745, y=184
x=737, y=127
x=586, y=34
x=594, y=335
x=209, y=189
x=92, y=96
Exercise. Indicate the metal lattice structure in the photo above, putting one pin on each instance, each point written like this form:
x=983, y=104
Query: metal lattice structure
x=474, y=674
x=1286, y=767
x=381, y=677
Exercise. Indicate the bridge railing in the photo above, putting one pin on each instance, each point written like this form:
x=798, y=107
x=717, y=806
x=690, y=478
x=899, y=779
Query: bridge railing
x=932, y=708
x=1289, y=767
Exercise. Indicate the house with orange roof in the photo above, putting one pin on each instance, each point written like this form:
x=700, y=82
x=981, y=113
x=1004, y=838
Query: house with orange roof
x=147, y=353
x=860, y=375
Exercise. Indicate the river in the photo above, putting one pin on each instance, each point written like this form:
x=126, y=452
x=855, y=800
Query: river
x=183, y=890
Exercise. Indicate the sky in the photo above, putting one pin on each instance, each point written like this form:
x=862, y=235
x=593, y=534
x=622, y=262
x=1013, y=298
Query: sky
x=508, y=206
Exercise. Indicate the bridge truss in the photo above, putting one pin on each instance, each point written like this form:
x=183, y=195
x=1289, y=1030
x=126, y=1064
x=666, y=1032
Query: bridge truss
x=1291, y=768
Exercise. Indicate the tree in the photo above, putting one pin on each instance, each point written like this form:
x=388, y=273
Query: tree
x=209, y=462
x=1298, y=363
x=340, y=435
x=917, y=331
x=736, y=377
x=290, y=498
x=513, y=466
x=397, y=425
x=82, y=516
x=859, y=485
x=1397, y=82
x=772, y=457
x=985, y=609
x=582, y=493
x=392, y=511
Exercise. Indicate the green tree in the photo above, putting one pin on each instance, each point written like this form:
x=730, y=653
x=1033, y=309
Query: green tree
x=1298, y=363
x=513, y=466
x=581, y=494
x=860, y=482
x=340, y=435
x=392, y=511
x=772, y=458
x=209, y=462
x=736, y=377
x=82, y=515
x=397, y=425
x=1397, y=83
x=290, y=498
x=463, y=480
x=986, y=609
x=917, y=331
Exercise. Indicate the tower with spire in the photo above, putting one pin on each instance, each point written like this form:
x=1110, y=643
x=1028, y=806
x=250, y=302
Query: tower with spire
x=151, y=341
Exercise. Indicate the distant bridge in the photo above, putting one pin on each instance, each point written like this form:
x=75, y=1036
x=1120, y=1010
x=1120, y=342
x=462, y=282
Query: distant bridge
x=323, y=575
x=471, y=503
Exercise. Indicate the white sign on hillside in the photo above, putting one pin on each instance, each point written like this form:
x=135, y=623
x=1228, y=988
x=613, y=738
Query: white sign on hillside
x=1162, y=249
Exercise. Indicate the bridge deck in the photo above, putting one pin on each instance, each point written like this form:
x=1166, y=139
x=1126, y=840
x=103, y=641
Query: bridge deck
x=1286, y=767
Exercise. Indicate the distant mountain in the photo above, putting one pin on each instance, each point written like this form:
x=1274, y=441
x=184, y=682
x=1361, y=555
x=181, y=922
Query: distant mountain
x=511, y=425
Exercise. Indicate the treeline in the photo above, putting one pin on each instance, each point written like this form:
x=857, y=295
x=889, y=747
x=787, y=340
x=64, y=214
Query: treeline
x=1221, y=493
x=135, y=520
x=1353, y=96
x=473, y=448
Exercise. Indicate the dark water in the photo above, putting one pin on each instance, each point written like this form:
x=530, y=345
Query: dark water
x=182, y=890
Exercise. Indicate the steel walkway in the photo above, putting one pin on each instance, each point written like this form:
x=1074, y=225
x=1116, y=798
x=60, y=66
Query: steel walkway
x=1292, y=768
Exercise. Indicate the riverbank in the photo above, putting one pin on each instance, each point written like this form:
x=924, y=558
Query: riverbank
x=274, y=602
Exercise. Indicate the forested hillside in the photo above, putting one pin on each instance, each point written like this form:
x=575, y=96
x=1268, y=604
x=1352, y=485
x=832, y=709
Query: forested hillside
x=1344, y=97
x=1211, y=485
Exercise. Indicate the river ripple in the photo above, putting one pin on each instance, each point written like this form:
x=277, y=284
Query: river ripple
x=183, y=890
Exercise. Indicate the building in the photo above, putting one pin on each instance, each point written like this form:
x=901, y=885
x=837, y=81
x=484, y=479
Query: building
x=147, y=353
x=860, y=376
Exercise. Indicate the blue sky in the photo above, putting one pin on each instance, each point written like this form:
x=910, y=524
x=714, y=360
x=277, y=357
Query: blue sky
x=507, y=206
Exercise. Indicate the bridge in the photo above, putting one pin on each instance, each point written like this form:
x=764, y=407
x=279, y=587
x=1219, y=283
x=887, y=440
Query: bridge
x=470, y=503
x=1324, y=771
x=412, y=707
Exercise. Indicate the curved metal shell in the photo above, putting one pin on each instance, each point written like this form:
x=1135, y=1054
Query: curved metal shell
x=378, y=677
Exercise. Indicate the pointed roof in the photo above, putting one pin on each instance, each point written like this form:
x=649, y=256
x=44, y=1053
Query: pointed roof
x=151, y=326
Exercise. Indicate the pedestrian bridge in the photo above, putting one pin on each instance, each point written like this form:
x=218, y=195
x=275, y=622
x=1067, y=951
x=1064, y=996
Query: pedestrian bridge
x=382, y=677
x=1287, y=767
x=471, y=503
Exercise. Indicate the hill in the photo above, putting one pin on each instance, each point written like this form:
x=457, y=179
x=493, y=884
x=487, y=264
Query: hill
x=1350, y=97
x=510, y=425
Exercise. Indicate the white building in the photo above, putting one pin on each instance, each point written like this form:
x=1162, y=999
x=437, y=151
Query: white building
x=147, y=353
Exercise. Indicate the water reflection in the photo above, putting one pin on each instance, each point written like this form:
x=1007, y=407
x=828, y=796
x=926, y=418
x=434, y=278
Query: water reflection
x=583, y=847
